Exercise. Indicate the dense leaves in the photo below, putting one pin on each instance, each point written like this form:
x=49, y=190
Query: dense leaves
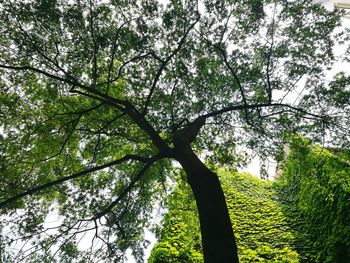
x=179, y=234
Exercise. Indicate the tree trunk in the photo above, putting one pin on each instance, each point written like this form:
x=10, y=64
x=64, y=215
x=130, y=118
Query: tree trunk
x=218, y=240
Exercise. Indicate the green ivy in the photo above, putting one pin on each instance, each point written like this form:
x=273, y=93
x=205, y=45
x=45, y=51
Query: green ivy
x=260, y=227
x=180, y=235
x=315, y=188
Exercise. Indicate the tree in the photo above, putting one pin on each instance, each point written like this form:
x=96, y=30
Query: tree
x=99, y=97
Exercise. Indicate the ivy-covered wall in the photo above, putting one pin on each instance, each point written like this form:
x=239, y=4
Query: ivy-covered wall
x=179, y=235
x=303, y=217
x=260, y=227
x=315, y=190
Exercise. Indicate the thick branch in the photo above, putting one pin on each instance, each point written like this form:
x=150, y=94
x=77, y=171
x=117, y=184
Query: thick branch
x=103, y=100
x=187, y=135
x=140, y=120
x=134, y=114
x=258, y=106
x=73, y=176
x=122, y=105
x=70, y=81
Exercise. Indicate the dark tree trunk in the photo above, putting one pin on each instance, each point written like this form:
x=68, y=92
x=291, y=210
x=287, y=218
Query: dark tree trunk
x=218, y=240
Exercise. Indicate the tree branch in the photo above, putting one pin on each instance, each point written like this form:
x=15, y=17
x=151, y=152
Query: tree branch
x=258, y=106
x=95, y=47
x=223, y=53
x=125, y=64
x=140, y=120
x=73, y=82
x=73, y=176
x=123, y=105
x=268, y=87
x=47, y=74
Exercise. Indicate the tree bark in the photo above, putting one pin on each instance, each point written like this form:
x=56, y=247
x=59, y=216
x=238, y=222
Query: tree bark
x=219, y=245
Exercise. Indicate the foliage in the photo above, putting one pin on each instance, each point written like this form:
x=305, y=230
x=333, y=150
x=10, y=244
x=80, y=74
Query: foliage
x=260, y=225
x=179, y=234
x=262, y=232
x=315, y=186
x=95, y=97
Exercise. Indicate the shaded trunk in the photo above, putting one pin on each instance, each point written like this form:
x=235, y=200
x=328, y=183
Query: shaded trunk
x=218, y=240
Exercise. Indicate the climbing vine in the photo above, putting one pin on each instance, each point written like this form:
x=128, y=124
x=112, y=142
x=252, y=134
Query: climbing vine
x=179, y=234
x=315, y=186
